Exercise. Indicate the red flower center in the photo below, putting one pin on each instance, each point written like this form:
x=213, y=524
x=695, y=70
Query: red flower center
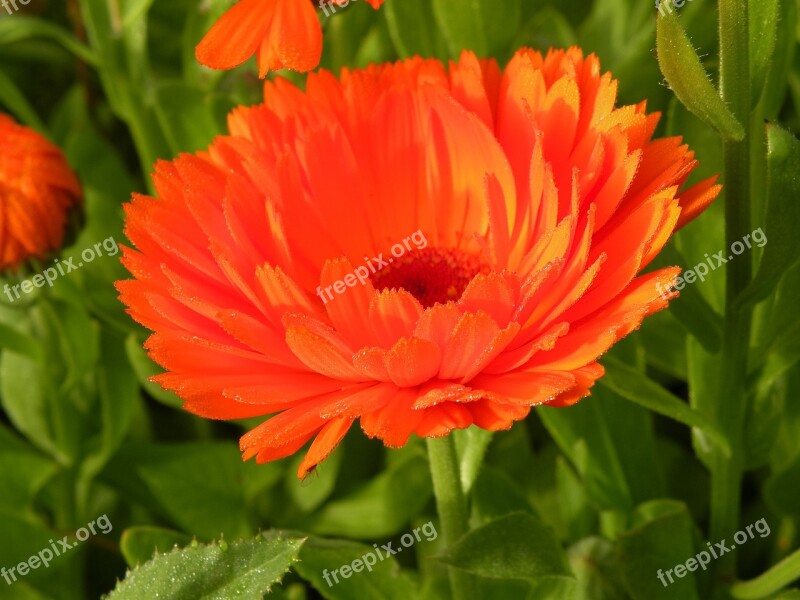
x=431, y=275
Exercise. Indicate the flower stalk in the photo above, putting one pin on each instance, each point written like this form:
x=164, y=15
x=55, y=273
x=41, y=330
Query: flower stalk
x=451, y=504
x=738, y=157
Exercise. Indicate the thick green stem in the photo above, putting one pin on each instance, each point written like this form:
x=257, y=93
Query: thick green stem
x=731, y=401
x=452, y=507
x=778, y=577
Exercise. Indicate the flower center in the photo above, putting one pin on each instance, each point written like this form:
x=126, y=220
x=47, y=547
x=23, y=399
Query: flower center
x=431, y=275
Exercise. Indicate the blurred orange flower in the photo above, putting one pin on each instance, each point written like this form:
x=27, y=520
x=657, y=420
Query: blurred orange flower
x=540, y=203
x=284, y=34
x=37, y=188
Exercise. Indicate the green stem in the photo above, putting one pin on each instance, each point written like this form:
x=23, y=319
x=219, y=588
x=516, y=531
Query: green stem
x=731, y=402
x=778, y=577
x=451, y=505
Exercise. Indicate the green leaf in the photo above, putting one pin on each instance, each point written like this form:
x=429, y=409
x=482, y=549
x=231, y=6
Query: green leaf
x=596, y=565
x=118, y=392
x=22, y=27
x=23, y=472
x=189, y=117
x=515, y=546
x=133, y=10
x=692, y=309
x=548, y=27
x=471, y=445
x=783, y=488
x=145, y=369
x=763, y=16
x=779, y=234
x=495, y=494
x=703, y=384
x=579, y=516
x=584, y=438
x=26, y=401
x=688, y=79
x=596, y=437
x=139, y=544
x=380, y=508
x=486, y=27
x=661, y=538
x=553, y=588
x=310, y=493
x=16, y=102
x=636, y=387
x=765, y=413
x=175, y=476
x=413, y=29
x=777, y=83
x=223, y=570
x=664, y=342
x=378, y=576
x=21, y=343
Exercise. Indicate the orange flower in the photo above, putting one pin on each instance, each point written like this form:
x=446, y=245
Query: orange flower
x=285, y=34
x=37, y=188
x=539, y=201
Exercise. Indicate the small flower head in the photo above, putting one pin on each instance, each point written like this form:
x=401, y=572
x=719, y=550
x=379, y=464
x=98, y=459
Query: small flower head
x=37, y=189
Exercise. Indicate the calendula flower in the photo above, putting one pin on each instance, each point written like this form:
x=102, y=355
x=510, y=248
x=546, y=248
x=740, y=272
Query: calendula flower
x=283, y=34
x=37, y=188
x=524, y=205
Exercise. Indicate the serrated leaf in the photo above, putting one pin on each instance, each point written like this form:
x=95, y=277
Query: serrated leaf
x=515, y=546
x=688, y=79
x=224, y=570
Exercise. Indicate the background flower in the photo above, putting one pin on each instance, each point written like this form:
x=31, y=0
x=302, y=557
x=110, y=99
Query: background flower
x=37, y=188
x=283, y=34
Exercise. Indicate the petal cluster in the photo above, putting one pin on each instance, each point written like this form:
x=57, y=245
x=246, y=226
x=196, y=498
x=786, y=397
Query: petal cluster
x=37, y=188
x=540, y=201
x=283, y=34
